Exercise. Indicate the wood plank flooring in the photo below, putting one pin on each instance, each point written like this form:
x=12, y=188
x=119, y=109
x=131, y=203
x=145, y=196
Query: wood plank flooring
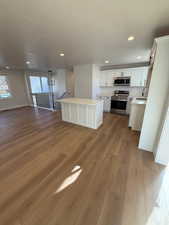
x=56, y=173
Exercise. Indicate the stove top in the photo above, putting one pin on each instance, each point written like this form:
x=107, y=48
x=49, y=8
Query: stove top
x=120, y=95
x=121, y=92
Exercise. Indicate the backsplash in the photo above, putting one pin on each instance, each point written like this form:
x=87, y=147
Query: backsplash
x=134, y=91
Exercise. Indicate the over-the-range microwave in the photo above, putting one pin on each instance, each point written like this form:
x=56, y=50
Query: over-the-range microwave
x=122, y=81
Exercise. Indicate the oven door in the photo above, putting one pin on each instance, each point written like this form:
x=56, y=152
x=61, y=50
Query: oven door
x=118, y=106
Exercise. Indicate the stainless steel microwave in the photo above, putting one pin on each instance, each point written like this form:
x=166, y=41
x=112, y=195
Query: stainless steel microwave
x=122, y=81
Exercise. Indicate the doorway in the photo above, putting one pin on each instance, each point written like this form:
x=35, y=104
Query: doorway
x=40, y=91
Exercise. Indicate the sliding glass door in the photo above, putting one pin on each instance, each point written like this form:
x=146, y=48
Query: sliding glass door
x=40, y=91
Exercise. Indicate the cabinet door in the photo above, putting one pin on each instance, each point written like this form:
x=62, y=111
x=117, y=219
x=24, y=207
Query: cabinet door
x=136, y=78
x=139, y=77
x=117, y=73
x=109, y=79
x=102, y=78
x=127, y=73
x=106, y=76
x=145, y=76
x=107, y=104
x=106, y=79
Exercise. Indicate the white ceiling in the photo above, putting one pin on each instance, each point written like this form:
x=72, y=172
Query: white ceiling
x=88, y=31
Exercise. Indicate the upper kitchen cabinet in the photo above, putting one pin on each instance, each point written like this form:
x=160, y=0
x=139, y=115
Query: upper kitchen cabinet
x=106, y=78
x=117, y=73
x=102, y=79
x=139, y=77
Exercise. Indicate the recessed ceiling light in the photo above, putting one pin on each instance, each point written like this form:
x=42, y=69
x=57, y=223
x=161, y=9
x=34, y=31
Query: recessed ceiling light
x=62, y=54
x=27, y=62
x=7, y=67
x=131, y=38
x=106, y=61
x=139, y=57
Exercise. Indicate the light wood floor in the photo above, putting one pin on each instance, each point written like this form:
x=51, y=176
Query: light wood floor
x=56, y=173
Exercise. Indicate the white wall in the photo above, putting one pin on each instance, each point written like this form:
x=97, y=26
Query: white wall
x=18, y=90
x=87, y=81
x=162, y=155
x=95, y=81
x=83, y=81
x=157, y=96
x=70, y=82
x=60, y=82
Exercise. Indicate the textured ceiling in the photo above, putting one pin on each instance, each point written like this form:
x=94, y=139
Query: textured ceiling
x=87, y=31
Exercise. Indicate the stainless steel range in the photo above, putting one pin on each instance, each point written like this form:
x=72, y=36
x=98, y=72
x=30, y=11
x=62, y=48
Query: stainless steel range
x=119, y=102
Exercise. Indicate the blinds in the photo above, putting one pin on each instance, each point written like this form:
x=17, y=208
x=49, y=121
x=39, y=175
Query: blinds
x=4, y=87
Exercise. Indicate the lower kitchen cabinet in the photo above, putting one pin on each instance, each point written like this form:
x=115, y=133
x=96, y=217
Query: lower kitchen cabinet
x=106, y=103
x=137, y=114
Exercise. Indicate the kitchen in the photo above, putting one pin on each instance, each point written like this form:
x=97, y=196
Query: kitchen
x=124, y=91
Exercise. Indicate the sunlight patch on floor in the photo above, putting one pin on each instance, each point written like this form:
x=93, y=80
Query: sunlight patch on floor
x=76, y=171
x=75, y=168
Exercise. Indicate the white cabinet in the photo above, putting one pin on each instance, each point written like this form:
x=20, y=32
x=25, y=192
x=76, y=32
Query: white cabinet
x=102, y=78
x=101, y=81
x=139, y=77
x=136, y=115
x=128, y=109
x=117, y=73
x=84, y=112
x=106, y=103
x=106, y=78
x=145, y=76
x=109, y=79
x=135, y=79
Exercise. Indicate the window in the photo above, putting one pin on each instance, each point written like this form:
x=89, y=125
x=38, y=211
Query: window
x=45, y=86
x=35, y=84
x=4, y=87
x=39, y=84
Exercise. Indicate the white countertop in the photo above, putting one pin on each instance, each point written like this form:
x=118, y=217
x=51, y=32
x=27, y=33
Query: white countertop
x=83, y=101
x=138, y=101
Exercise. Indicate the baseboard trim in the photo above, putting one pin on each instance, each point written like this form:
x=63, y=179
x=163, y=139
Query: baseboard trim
x=142, y=149
x=161, y=162
x=14, y=107
x=39, y=107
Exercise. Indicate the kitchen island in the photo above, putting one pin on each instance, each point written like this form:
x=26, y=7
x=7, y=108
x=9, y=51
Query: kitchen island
x=81, y=111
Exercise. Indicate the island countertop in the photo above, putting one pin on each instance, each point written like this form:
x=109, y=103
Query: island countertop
x=82, y=111
x=82, y=101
